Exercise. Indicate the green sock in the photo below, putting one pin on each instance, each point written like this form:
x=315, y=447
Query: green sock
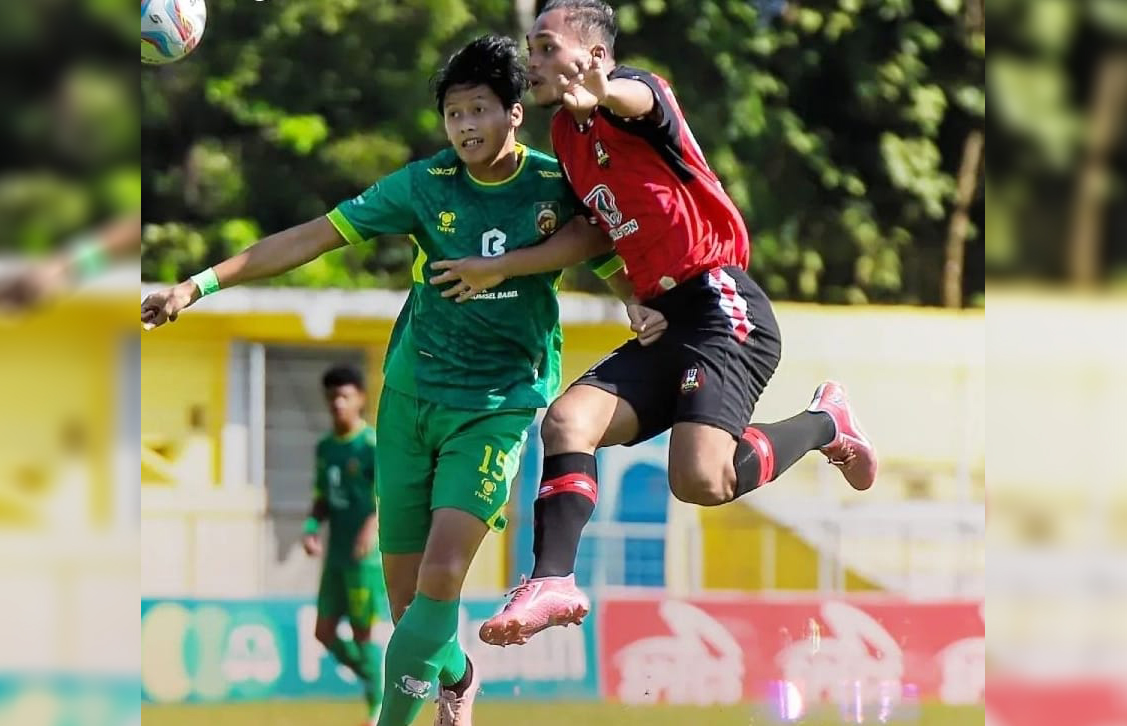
x=347, y=654
x=372, y=658
x=420, y=645
x=455, y=666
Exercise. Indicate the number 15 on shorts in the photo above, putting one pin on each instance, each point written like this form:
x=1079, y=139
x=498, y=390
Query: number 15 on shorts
x=492, y=470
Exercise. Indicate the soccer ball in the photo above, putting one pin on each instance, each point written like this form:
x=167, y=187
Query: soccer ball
x=170, y=29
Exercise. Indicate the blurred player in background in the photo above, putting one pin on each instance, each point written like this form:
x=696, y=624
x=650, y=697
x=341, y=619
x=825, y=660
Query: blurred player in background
x=628, y=153
x=344, y=498
x=83, y=259
x=462, y=383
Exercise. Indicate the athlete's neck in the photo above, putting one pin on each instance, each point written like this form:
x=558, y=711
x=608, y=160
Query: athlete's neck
x=582, y=117
x=348, y=429
x=501, y=168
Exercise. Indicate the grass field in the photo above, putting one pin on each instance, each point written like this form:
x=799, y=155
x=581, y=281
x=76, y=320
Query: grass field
x=282, y=713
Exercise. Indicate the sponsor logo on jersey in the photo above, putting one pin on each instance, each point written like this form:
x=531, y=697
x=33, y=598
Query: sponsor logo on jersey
x=547, y=216
x=442, y=170
x=491, y=295
x=602, y=200
x=548, y=174
x=487, y=490
x=446, y=222
x=602, y=158
x=692, y=380
x=624, y=230
x=493, y=243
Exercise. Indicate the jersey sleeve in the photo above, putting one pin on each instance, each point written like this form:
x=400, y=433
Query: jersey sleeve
x=666, y=123
x=383, y=208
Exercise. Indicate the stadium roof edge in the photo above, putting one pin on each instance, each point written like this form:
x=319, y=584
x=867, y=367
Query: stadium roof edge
x=329, y=304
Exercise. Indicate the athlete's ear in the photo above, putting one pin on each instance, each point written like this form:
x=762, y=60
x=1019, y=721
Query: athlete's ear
x=516, y=115
x=599, y=52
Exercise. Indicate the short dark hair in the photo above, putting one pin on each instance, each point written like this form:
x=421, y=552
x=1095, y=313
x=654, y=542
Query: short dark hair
x=343, y=375
x=491, y=60
x=587, y=17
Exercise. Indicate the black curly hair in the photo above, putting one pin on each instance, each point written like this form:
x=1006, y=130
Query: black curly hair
x=491, y=60
x=342, y=375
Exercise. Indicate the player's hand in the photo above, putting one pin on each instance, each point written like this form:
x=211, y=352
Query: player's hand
x=311, y=543
x=166, y=305
x=33, y=286
x=646, y=322
x=587, y=87
x=469, y=275
x=366, y=539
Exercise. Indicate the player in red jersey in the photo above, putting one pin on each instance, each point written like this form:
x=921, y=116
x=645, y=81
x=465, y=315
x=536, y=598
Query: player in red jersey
x=628, y=153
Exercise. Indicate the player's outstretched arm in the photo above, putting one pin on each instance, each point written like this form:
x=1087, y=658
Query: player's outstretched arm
x=85, y=258
x=268, y=257
x=575, y=242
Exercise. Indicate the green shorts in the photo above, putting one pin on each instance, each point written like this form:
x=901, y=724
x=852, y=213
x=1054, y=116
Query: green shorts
x=432, y=456
x=356, y=591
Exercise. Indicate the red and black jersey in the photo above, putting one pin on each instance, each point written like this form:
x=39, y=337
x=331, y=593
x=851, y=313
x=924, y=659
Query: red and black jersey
x=647, y=183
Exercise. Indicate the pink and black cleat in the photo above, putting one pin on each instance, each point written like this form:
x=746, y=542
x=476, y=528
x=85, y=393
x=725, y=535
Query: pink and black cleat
x=534, y=605
x=851, y=451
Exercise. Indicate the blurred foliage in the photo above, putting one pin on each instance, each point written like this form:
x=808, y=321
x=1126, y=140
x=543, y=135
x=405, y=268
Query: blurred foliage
x=1042, y=72
x=836, y=125
x=69, y=127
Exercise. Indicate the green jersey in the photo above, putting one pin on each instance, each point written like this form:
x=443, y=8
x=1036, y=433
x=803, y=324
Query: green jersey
x=502, y=348
x=346, y=482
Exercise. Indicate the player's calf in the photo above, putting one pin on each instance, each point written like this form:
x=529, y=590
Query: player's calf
x=325, y=631
x=401, y=573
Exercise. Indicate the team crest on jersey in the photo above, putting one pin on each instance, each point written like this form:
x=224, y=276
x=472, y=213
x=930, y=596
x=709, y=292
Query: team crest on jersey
x=353, y=466
x=602, y=200
x=692, y=380
x=446, y=222
x=547, y=217
x=602, y=158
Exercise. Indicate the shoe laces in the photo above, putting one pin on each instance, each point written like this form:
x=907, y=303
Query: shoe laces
x=449, y=703
x=524, y=586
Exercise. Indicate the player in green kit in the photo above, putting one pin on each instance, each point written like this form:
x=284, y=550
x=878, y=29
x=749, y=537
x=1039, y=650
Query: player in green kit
x=344, y=498
x=461, y=382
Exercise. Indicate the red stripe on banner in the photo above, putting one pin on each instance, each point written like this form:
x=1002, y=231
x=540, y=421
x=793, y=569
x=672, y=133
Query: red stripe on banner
x=575, y=483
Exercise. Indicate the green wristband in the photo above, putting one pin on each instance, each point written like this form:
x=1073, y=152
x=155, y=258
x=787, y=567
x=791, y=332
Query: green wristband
x=88, y=257
x=312, y=525
x=206, y=281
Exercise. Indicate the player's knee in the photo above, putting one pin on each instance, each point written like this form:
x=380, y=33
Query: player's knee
x=441, y=580
x=565, y=428
x=325, y=632
x=694, y=483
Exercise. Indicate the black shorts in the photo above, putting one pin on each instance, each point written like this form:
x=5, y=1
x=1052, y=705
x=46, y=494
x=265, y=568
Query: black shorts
x=711, y=364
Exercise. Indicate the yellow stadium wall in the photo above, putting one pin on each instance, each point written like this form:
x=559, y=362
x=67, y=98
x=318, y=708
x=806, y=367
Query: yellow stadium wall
x=59, y=385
